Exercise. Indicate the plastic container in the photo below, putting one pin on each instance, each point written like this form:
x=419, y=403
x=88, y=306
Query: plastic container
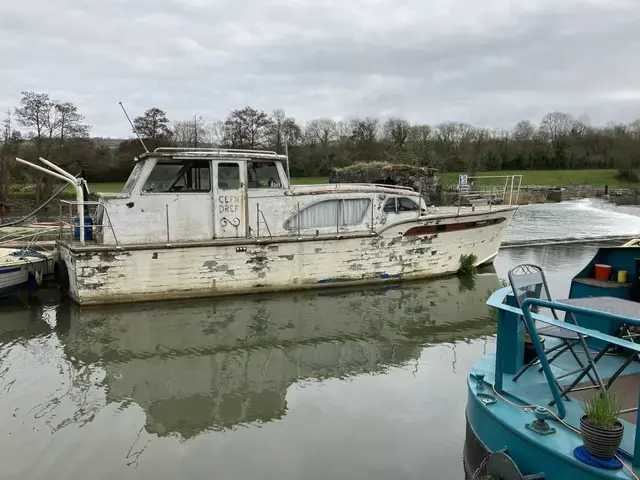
x=603, y=272
x=88, y=228
x=622, y=276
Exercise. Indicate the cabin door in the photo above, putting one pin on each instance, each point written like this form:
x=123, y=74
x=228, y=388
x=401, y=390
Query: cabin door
x=230, y=199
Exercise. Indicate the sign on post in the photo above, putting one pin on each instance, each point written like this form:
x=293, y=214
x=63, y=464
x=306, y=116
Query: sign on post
x=462, y=183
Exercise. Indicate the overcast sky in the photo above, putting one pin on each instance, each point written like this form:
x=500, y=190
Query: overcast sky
x=487, y=62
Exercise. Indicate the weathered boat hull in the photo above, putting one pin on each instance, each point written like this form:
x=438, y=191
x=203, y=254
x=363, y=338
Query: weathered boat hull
x=101, y=275
x=14, y=275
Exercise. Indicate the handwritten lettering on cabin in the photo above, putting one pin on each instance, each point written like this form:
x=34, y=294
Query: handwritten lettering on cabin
x=229, y=203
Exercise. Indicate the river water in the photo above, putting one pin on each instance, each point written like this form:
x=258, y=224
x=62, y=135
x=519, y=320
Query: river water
x=365, y=383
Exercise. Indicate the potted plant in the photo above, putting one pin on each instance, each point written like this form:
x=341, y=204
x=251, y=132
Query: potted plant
x=600, y=428
x=529, y=350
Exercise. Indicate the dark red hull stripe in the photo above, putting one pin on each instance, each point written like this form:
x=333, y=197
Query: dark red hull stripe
x=451, y=227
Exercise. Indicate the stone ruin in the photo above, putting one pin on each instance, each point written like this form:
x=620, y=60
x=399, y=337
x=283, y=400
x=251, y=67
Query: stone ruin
x=421, y=179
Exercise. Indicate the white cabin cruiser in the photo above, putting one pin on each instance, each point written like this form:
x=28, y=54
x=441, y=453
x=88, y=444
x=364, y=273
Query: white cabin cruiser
x=205, y=222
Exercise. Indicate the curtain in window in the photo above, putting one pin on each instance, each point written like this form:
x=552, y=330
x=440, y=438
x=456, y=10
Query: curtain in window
x=353, y=210
x=325, y=214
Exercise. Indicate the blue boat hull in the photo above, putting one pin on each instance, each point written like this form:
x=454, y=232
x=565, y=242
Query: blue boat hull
x=13, y=289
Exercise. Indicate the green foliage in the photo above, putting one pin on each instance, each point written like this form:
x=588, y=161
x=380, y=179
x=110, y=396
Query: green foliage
x=602, y=409
x=627, y=175
x=467, y=265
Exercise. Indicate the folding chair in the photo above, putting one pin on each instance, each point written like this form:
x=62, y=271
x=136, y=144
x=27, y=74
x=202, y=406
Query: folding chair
x=529, y=281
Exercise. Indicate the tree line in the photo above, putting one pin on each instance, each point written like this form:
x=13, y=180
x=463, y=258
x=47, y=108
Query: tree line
x=44, y=127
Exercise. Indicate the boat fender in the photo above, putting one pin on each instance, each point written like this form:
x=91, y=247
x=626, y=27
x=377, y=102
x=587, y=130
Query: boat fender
x=501, y=466
x=61, y=275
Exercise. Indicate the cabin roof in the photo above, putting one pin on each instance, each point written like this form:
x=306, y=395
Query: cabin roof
x=184, y=152
x=351, y=188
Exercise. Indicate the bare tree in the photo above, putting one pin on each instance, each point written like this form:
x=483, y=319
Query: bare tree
x=34, y=112
x=282, y=130
x=524, y=130
x=189, y=133
x=70, y=123
x=555, y=125
x=246, y=127
x=396, y=131
x=322, y=130
x=153, y=124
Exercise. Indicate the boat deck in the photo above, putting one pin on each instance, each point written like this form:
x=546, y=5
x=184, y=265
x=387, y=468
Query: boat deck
x=532, y=389
x=626, y=388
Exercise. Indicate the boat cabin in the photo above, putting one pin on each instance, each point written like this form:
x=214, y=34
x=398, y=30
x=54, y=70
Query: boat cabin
x=183, y=195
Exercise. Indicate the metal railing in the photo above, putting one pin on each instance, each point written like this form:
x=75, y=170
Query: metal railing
x=215, y=149
x=26, y=240
x=508, y=313
x=94, y=227
x=504, y=191
x=260, y=214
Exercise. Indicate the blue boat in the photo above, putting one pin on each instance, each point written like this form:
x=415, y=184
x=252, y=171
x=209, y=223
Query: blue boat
x=525, y=416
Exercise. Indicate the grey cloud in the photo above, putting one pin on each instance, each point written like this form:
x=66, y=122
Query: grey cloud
x=492, y=62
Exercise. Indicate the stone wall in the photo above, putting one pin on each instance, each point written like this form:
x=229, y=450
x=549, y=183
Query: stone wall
x=421, y=179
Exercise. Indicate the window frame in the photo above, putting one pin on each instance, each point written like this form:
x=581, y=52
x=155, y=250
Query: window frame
x=187, y=166
x=251, y=162
x=228, y=163
x=396, y=203
x=288, y=222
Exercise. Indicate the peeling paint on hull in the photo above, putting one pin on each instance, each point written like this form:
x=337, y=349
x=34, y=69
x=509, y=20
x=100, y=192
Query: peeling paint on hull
x=154, y=273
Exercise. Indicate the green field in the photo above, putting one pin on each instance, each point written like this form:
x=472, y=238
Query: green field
x=595, y=178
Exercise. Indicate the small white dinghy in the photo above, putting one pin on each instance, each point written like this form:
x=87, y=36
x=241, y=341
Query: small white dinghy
x=21, y=269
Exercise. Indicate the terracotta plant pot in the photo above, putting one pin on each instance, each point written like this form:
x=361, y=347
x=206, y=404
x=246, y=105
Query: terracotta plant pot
x=601, y=442
x=530, y=351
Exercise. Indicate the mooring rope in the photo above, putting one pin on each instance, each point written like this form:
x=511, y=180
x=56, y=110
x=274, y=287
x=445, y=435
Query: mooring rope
x=634, y=476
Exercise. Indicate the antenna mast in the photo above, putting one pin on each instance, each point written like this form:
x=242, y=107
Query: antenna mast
x=134, y=128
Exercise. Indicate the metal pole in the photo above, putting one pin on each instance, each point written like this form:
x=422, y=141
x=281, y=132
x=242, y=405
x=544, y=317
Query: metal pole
x=459, y=198
x=504, y=191
x=511, y=192
x=491, y=198
x=166, y=209
x=257, y=220
x=286, y=152
x=371, y=216
x=419, y=198
x=298, y=219
x=338, y=218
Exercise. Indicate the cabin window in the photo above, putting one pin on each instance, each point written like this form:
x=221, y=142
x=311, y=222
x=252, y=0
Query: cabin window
x=134, y=176
x=407, y=205
x=263, y=175
x=184, y=177
x=390, y=206
x=400, y=204
x=330, y=213
x=228, y=176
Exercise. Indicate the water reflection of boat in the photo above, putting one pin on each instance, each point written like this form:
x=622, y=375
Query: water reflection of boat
x=214, y=364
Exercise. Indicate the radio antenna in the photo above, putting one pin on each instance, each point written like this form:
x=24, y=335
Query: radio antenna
x=134, y=128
